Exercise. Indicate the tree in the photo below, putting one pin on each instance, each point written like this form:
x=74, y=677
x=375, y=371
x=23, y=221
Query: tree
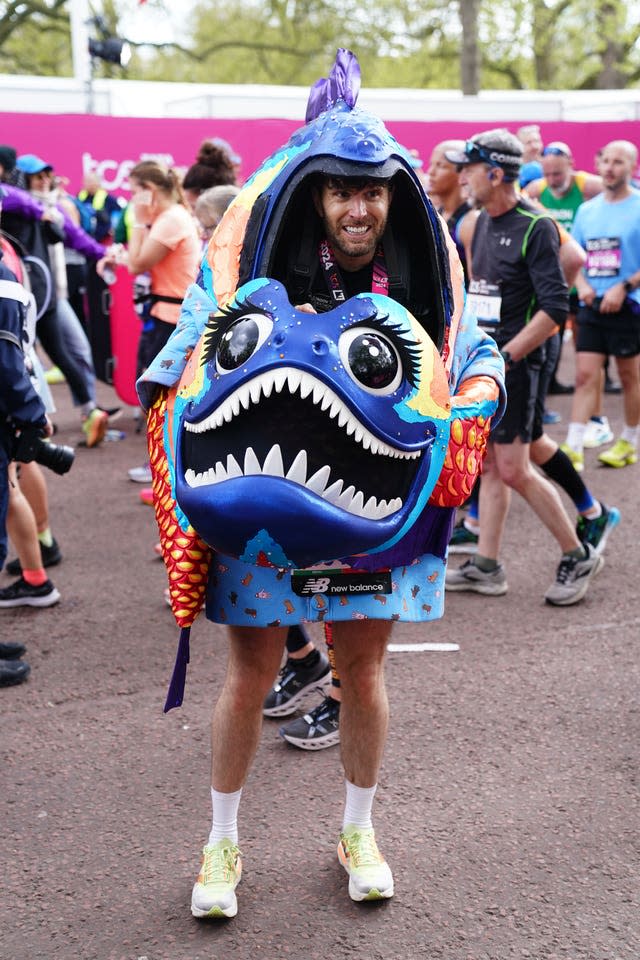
x=514, y=44
x=470, y=53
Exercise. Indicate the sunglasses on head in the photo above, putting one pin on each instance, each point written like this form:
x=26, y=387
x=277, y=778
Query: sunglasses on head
x=554, y=152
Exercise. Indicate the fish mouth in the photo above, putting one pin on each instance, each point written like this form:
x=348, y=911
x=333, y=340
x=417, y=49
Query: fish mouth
x=288, y=424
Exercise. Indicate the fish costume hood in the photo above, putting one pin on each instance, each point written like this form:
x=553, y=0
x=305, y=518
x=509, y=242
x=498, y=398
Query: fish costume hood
x=304, y=463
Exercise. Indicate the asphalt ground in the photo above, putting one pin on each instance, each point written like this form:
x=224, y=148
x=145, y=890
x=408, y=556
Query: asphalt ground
x=508, y=799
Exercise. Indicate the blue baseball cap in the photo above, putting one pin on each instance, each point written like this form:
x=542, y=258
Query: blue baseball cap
x=530, y=171
x=28, y=163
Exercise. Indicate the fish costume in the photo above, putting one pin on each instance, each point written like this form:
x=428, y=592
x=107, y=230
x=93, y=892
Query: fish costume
x=307, y=467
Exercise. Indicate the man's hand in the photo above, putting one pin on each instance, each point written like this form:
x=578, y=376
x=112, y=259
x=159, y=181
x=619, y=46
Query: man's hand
x=613, y=299
x=305, y=308
x=586, y=293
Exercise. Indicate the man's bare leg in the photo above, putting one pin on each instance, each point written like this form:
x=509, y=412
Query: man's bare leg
x=360, y=647
x=254, y=657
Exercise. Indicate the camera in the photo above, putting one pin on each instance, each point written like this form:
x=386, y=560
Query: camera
x=29, y=445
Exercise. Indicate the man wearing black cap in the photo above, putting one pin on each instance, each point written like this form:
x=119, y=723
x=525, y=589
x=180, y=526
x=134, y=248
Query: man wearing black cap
x=519, y=295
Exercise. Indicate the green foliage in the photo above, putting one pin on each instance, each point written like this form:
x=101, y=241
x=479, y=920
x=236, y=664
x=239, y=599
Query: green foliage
x=535, y=44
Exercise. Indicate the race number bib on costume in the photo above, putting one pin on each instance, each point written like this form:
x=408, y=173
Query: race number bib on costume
x=604, y=256
x=485, y=300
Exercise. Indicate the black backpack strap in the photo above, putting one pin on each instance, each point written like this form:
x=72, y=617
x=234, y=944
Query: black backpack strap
x=305, y=259
x=398, y=279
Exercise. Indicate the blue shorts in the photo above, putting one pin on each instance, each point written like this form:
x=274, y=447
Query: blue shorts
x=241, y=594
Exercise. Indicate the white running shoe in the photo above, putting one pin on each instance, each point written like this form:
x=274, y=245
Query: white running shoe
x=598, y=433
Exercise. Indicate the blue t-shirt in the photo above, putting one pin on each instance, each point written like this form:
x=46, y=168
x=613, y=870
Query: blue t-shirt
x=610, y=233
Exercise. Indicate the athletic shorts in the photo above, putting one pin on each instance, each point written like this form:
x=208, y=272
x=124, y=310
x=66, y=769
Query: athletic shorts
x=152, y=339
x=522, y=382
x=611, y=334
x=245, y=595
x=552, y=351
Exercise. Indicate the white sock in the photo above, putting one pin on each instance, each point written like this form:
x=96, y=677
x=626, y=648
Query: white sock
x=224, y=824
x=358, y=804
x=575, y=436
x=86, y=408
x=593, y=512
x=630, y=434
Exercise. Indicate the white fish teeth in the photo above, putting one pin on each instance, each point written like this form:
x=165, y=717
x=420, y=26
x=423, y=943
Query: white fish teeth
x=344, y=500
x=333, y=492
x=335, y=409
x=273, y=464
x=255, y=390
x=244, y=395
x=318, y=481
x=350, y=500
x=371, y=508
x=279, y=379
x=251, y=463
x=306, y=385
x=297, y=472
x=233, y=467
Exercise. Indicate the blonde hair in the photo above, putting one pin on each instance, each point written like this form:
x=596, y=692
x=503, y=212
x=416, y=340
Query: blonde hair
x=211, y=204
x=164, y=178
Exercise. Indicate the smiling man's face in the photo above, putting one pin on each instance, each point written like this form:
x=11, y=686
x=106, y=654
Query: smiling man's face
x=354, y=214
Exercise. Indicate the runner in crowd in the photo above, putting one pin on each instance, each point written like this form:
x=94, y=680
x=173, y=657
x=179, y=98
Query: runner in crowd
x=608, y=227
x=519, y=293
x=347, y=204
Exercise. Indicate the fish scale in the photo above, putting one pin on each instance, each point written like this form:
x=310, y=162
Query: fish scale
x=462, y=462
x=186, y=556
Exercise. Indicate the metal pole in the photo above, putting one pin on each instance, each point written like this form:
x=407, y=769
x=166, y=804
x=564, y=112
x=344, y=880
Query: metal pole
x=82, y=68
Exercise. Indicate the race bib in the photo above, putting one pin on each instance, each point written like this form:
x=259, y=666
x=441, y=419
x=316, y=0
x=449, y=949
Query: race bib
x=486, y=302
x=604, y=257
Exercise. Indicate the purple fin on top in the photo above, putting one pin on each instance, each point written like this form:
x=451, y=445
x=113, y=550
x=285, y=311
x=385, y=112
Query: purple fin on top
x=343, y=83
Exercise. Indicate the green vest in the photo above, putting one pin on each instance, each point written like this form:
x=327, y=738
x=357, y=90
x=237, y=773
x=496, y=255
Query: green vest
x=563, y=209
x=98, y=200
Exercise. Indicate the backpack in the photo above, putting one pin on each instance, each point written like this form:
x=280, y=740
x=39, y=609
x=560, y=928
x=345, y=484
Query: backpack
x=88, y=219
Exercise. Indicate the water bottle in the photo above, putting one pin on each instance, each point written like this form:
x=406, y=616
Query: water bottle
x=141, y=291
x=109, y=276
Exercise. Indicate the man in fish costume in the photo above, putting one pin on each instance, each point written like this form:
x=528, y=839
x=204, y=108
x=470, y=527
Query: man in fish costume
x=320, y=411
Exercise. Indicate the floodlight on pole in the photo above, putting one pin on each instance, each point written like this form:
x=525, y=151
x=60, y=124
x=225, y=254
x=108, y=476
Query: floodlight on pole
x=112, y=50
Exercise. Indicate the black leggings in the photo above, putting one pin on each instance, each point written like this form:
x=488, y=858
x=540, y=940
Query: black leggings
x=49, y=336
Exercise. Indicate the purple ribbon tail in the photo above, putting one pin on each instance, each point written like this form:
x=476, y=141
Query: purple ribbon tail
x=175, y=693
x=343, y=83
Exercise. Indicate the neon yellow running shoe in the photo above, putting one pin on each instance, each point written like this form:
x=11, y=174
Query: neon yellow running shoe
x=577, y=459
x=54, y=375
x=95, y=426
x=621, y=454
x=369, y=875
x=214, y=891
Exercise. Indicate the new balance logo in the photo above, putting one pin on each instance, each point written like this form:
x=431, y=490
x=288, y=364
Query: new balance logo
x=316, y=585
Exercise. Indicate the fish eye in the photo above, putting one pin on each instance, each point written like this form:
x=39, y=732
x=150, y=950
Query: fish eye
x=241, y=340
x=371, y=360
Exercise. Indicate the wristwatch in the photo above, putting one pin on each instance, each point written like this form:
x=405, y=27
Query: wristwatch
x=508, y=359
x=628, y=286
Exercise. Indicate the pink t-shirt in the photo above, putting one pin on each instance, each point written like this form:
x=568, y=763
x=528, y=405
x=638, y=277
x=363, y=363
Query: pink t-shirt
x=176, y=229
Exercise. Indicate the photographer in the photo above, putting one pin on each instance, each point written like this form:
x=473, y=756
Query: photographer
x=22, y=422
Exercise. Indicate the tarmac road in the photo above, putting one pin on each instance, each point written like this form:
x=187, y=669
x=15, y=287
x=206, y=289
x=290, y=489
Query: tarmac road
x=508, y=801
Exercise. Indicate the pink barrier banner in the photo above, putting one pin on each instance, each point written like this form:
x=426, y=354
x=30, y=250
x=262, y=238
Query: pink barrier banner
x=76, y=143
